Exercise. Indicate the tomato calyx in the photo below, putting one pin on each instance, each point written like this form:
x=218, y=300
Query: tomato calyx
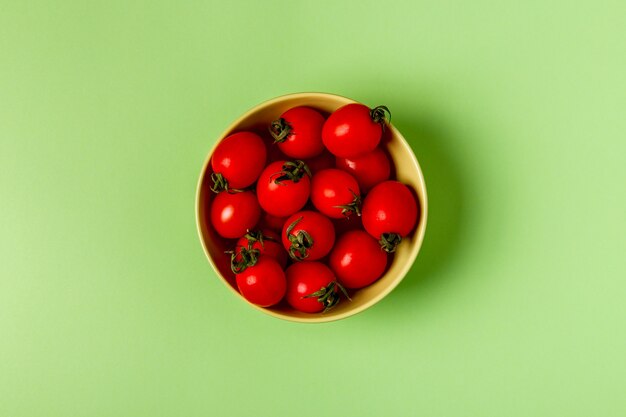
x=247, y=257
x=280, y=130
x=256, y=236
x=380, y=114
x=221, y=184
x=352, y=208
x=291, y=171
x=301, y=242
x=328, y=296
x=389, y=242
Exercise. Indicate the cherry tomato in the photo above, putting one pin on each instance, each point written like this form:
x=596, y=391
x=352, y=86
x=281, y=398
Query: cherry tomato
x=263, y=284
x=368, y=169
x=272, y=222
x=284, y=187
x=254, y=244
x=298, y=132
x=311, y=287
x=354, y=129
x=357, y=259
x=238, y=161
x=232, y=214
x=308, y=235
x=335, y=193
x=389, y=213
x=323, y=161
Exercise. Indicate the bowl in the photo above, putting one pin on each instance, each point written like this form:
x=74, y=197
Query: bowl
x=407, y=171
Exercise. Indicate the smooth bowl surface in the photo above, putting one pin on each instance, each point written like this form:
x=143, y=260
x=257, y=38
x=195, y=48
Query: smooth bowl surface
x=407, y=171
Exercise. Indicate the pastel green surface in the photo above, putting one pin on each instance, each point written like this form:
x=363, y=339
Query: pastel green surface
x=515, y=306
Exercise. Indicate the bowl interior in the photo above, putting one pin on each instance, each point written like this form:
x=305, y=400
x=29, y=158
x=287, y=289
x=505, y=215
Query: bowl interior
x=407, y=170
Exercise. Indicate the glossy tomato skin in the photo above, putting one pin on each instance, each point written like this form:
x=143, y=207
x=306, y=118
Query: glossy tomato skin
x=357, y=259
x=240, y=158
x=284, y=198
x=305, y=278
x=331, y=188
x=304, y=139
x=232, y=214
x=263, y=284
x=271, y=246
x=317, y=226
x=350, y=131
x=389, y=207
x=368, y=169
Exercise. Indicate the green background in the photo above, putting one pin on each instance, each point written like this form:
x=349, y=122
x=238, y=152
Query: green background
x=515, y=306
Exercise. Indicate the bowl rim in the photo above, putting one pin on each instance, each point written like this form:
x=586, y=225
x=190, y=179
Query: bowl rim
x=319, y=318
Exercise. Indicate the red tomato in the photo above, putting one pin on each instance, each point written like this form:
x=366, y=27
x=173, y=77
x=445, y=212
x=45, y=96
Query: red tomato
x=263, y=284
x=298, y=132
x=272, y=222
x=335, y=193
x=357, y=259
x=311, y=287
x=284, y=187
x=354, y=129
x=254, y=244
x=232, y=214
x=368, y=169
x=323, y=161
x=237, y=161
x=308, y=235
x=389, y=213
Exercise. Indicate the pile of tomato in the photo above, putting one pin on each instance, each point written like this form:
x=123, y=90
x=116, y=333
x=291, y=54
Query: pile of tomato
x=314, y=214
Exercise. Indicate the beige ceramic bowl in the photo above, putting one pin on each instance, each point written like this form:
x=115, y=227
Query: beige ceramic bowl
x=407, y=171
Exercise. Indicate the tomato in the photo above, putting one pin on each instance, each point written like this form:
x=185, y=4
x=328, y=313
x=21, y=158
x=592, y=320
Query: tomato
x=263, y=284
x=254, y=244
x=232, y=214
x=308, y=235
x=354, y=129
x=237, y=161
x=272, y=222
x=298, y=132
x=389, y=213
x=368, y=169
x=335, y=193
x=284, y=187
x=324, y=160
x=311, y=287
x=357, y=259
